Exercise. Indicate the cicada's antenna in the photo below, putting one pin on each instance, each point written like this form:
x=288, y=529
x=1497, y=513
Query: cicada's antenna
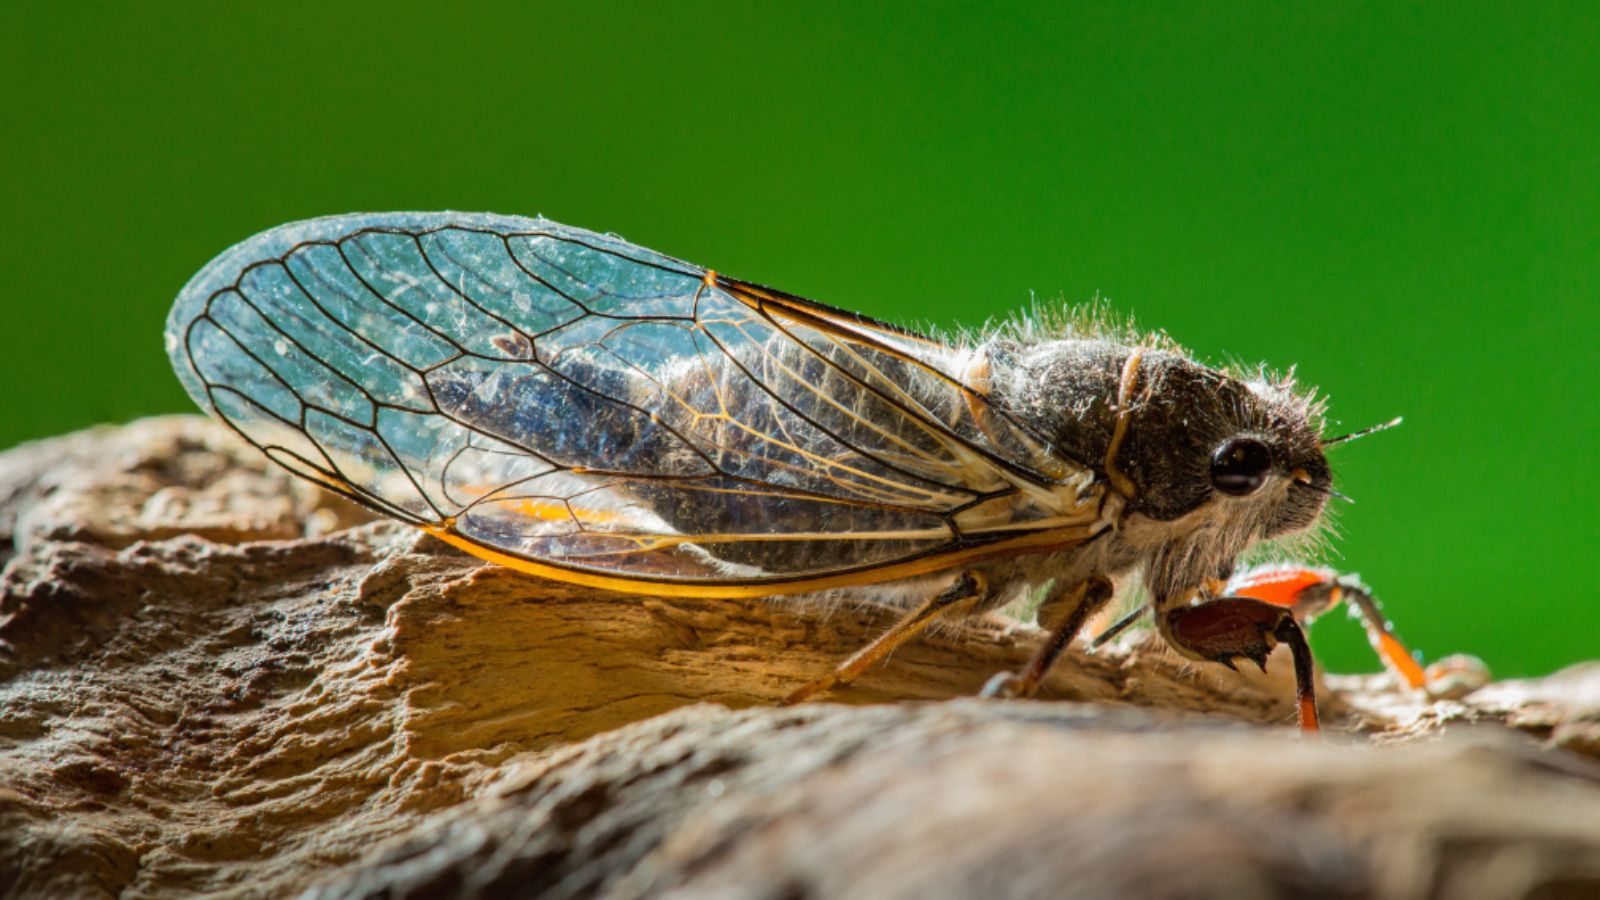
x=1346, y=438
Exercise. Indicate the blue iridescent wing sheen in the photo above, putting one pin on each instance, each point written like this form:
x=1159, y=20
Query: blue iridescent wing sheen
x=565, y=397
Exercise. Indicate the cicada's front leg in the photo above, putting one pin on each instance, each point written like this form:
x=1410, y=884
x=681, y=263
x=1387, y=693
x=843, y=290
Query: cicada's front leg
x=966, y=592
x=1308, y=592
x=1223, y=629
x=1064, y=614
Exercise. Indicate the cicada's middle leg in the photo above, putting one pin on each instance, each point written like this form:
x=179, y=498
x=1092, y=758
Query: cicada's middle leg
x=1064, y=614
x=967, y=592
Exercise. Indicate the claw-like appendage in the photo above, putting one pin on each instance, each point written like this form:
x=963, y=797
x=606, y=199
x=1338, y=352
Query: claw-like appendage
x=1230, y=628
x=1004, y=686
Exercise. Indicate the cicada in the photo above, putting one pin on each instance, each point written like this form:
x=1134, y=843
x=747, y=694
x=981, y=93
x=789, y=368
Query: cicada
x=575, y=407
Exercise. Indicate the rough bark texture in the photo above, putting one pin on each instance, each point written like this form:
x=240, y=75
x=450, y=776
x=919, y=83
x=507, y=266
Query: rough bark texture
x=214, y=679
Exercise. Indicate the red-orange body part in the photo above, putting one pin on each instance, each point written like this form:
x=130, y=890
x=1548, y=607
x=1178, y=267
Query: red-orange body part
x=1281, y=587
x=1287, y=587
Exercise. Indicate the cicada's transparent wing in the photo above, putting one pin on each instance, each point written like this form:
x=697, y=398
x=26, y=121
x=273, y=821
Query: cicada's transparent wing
x=545, y=395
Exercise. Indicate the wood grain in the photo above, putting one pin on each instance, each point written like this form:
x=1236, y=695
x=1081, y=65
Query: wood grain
x=214, y=680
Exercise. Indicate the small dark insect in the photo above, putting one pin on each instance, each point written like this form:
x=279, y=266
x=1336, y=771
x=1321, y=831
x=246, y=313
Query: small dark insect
x=570, y=405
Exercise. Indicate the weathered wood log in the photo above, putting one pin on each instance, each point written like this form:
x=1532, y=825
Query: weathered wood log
x=216, y=679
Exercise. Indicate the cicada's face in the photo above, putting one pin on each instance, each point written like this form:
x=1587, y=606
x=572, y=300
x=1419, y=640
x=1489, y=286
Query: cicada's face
x=1244, y=457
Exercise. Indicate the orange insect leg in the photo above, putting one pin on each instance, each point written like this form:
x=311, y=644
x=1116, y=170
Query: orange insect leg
x=1280, y=587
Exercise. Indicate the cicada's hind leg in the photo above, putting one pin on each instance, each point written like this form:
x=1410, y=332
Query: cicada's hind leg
x=967, y=591
x=1064, y=614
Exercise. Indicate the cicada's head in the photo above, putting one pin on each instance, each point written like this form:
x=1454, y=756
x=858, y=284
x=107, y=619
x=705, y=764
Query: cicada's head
x=1206, y=463
x=1239, y=459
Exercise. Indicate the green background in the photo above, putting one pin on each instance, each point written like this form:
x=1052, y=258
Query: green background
x=1404, y=200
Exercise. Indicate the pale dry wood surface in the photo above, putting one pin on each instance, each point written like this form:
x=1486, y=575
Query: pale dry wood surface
x=216, y=680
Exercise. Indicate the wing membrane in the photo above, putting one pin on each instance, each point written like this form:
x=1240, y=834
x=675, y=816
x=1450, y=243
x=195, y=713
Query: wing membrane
x=550, y=396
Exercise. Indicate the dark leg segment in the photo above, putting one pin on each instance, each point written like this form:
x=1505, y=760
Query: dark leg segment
x=1065, y=615
x=964, y=594
x=1118, y=627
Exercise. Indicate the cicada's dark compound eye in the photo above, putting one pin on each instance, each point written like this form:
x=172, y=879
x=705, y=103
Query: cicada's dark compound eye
x=1240, y=466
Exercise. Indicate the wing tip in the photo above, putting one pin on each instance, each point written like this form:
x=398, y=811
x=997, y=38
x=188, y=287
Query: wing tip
x=224, y=269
